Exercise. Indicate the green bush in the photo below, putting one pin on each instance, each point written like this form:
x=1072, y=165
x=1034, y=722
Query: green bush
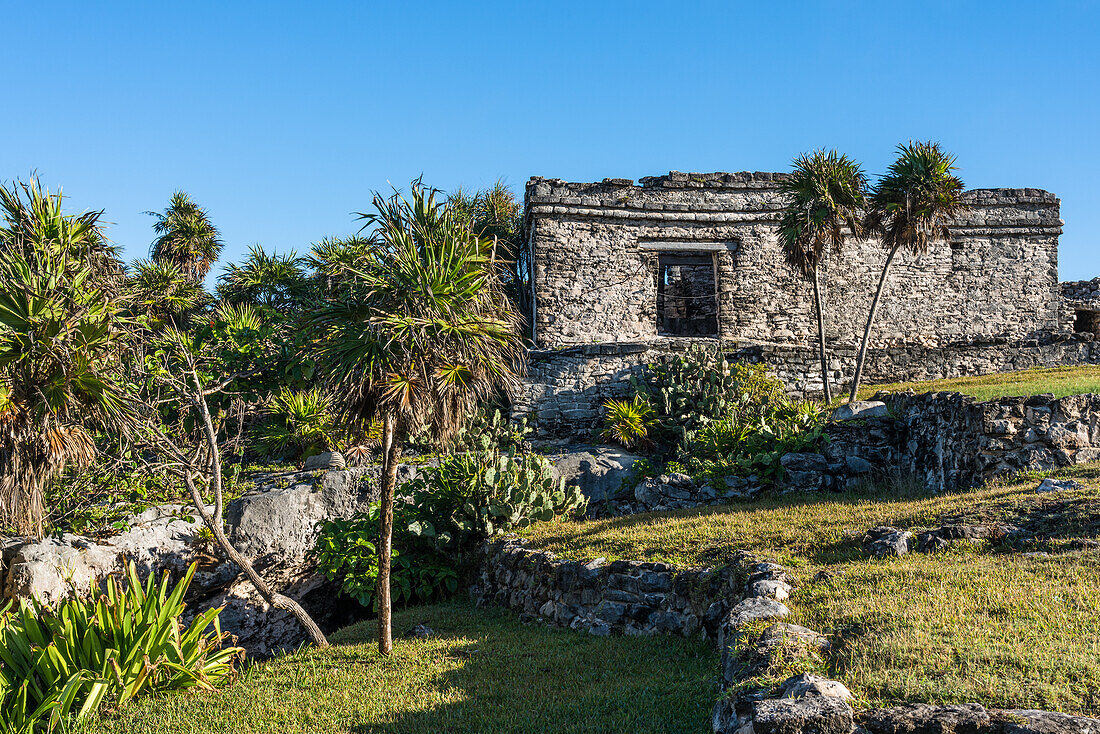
x=482, y=494
x=691, y=390
x=64, y=662
x=347, y=552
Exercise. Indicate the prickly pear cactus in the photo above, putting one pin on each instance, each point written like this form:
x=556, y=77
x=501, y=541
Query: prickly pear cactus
x=522, y=490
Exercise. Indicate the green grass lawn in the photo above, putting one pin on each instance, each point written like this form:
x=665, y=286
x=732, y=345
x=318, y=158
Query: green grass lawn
x=1061, y=381
x=986, y=624
x=484, y=672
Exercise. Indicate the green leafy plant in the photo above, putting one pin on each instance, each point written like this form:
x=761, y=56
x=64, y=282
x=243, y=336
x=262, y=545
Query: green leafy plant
x=347, y=551
x=67, y=661
x=628, y=422
x=297, y=424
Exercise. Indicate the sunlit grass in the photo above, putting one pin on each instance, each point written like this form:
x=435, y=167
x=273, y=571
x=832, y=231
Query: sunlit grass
x=484, y=672
x=1060, y=381
x=996, y=625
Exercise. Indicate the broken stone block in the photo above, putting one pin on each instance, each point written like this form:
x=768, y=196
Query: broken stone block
x=808, y=715
x=884, y=542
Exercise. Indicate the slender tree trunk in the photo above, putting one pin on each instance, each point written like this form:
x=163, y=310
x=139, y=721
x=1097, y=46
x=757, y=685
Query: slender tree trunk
x=391, y=453
x=214, y=522
x=821, y=339
x=870, y=321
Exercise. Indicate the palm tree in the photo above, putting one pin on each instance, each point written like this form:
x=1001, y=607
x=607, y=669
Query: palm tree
x=185, y=236
x=910, y=207
x=162, y=293
x=426, y=334
x=59, y=347
x=273, y=282
x=826, y=193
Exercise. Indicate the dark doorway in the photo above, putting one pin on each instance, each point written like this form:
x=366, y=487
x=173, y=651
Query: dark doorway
x=687, y=304
x=1087, y=322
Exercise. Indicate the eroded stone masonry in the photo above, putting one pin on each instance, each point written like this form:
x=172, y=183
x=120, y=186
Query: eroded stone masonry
x=622, y=273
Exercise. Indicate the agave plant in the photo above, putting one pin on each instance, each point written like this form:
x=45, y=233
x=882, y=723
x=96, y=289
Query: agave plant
x=67, y=661
x=60, y=342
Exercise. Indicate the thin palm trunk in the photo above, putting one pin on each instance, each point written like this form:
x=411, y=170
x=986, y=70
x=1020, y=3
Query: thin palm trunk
x=391, y=448
x=821, y=339
x=870, y=321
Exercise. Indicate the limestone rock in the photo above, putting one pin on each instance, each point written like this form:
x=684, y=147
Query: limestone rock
x=325, y=460
x=756, y=609
x=1020, y=721
x=920, y=718
x=808, y=684
x=601, y=471
x=807, y=715
x=1056, y=485
x=884, y=542
x=860, y=409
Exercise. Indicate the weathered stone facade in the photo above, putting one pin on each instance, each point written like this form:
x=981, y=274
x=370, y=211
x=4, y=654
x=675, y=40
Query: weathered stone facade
x=1081, y=307
x=595, y=251
x=622, y=273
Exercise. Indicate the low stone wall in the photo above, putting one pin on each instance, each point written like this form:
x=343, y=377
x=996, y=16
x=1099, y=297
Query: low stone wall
x=565, y=389
x=622, y=597
x=951, y=441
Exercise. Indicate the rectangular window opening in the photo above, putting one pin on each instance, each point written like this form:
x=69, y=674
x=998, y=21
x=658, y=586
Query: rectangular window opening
x=687, y=301
x=1087, y=322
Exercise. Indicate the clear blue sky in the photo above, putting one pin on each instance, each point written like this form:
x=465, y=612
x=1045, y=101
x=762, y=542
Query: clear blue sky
x=282, y=117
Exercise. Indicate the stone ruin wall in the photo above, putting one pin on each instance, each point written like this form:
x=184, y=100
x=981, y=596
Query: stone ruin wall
x=594, y=250
x=565, y=389
x=1081, y=307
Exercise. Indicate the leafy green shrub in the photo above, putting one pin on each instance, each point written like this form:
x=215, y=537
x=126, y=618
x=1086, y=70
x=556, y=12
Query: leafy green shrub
x=691, y=390
x=487, y=493
x=628, y=422
x=66, y=661
x=296, y=424
x=347, y=551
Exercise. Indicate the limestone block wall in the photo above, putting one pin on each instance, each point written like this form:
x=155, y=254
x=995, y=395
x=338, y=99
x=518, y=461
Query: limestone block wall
x=594, y=250
x=564, y=390
x=622, y=597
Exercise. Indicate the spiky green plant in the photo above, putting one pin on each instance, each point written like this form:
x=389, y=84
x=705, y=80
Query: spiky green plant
x=68, y=660
x=297, y=423
x=270, y=281
x=627, y=422
x=911, y=207
x=825, y=199
x=60, y=343
x=424, y=336
x=185, y=237
x=162, y=292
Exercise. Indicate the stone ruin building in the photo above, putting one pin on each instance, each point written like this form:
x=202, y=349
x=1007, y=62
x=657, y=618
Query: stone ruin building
x=622, y=273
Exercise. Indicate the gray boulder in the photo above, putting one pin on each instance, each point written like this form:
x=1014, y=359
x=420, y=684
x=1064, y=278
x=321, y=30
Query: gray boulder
x=756, y=609
x=808, y=684
x=884, y=542
x=601, y=472
x=326, y=460
x=807, y=715
x=919, y=718
x=1021, y=721
x=861, y=409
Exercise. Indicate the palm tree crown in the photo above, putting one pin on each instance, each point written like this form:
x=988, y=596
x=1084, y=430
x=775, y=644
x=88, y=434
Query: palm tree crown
x=59, y=346
x=826, y=193
x=271, y=281
x=428, y=330
x=912, y=204
x=186, y=237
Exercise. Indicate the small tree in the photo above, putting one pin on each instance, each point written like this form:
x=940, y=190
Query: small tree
x=60, y=341
x=425, y=334
x=185, y=237
x=826, y=194
x=910, y=207
x=189, y=369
